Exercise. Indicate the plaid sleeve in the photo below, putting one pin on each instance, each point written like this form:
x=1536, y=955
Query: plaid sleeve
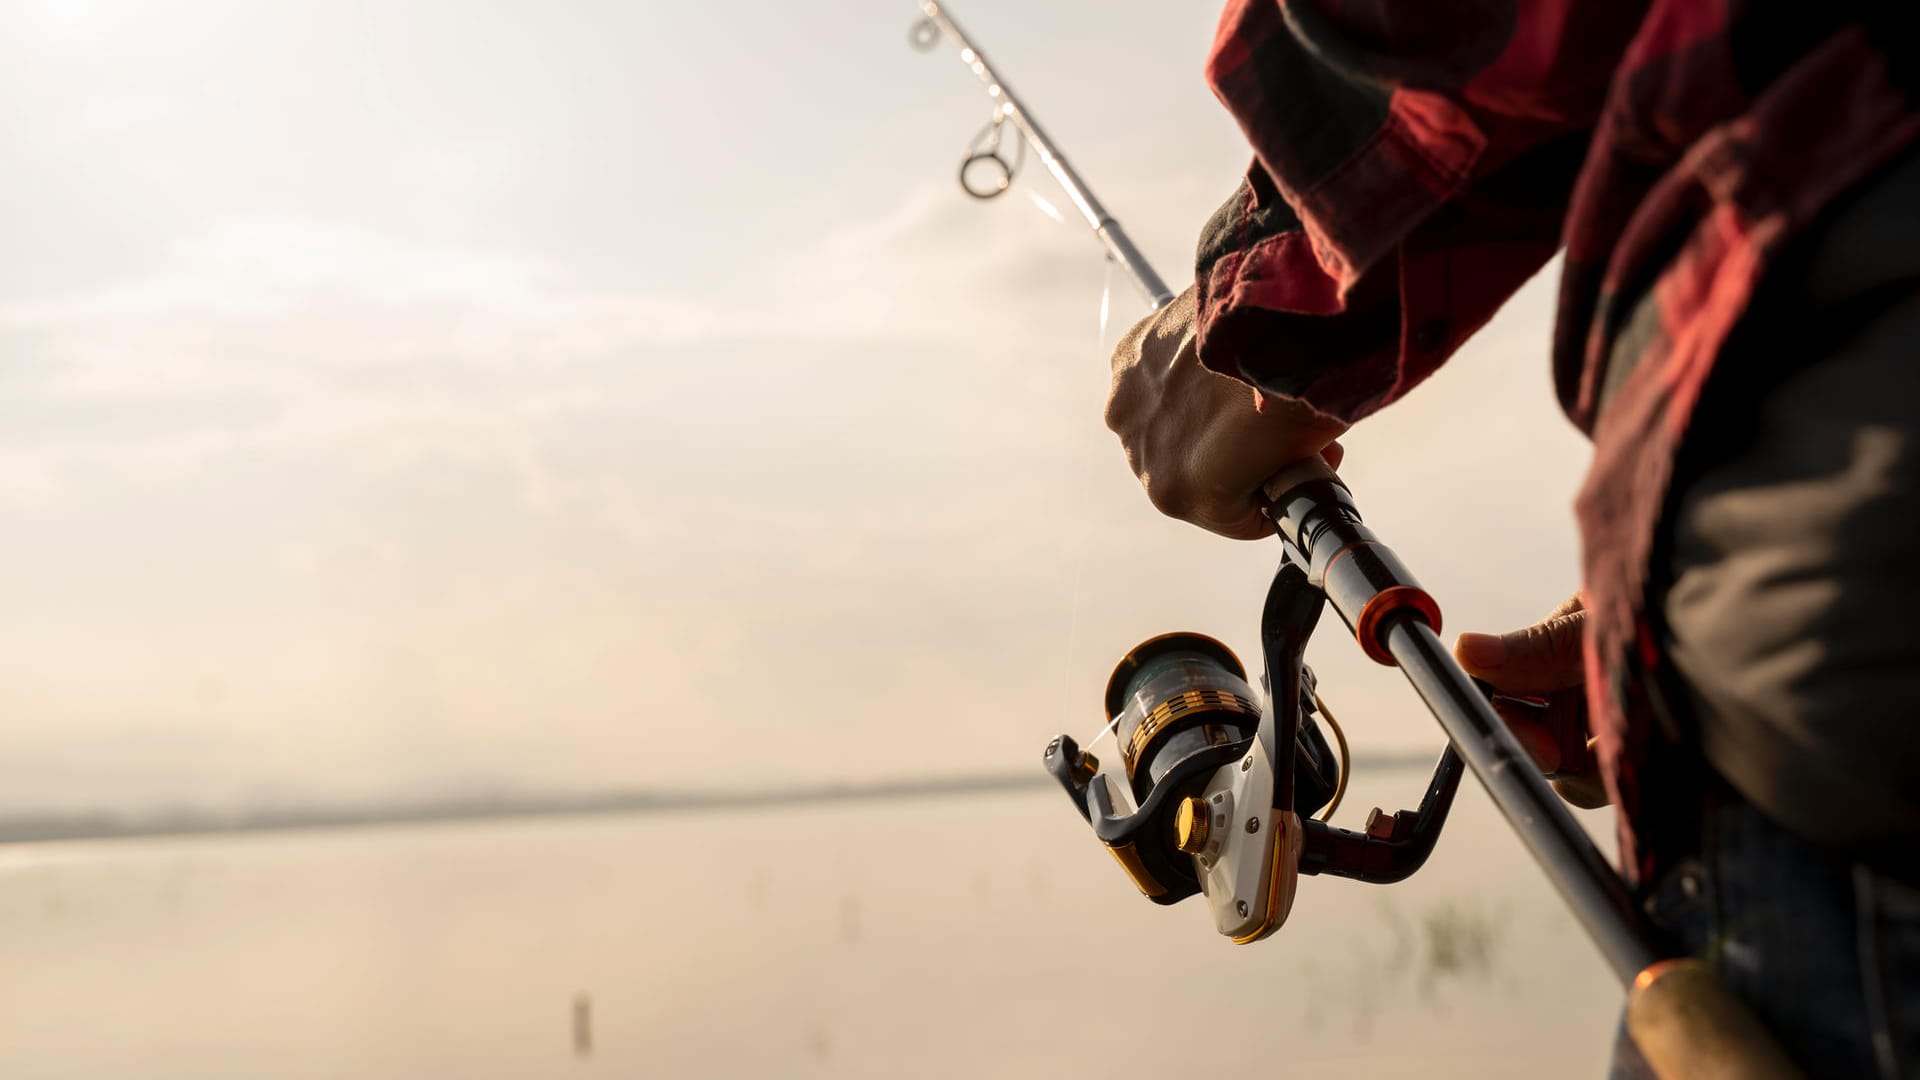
x=1413, y=164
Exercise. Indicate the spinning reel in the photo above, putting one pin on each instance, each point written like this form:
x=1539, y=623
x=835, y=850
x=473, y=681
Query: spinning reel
x=1214, y=794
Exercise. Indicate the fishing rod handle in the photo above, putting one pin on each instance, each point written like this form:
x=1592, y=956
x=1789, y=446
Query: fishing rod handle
x=1688, y=1025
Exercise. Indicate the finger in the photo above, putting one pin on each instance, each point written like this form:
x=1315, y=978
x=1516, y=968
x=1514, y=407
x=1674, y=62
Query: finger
x=1569, y=762
x=1252, y=525
x=1585, y=790
x=1540, y=742
x=1333, y=453
x=1571, y=604
x=1566, y=716
x=1540, y=659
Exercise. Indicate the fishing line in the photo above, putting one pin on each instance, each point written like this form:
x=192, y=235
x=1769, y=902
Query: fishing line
x=984, y=155
x=1047, y=208
x=1082, y=526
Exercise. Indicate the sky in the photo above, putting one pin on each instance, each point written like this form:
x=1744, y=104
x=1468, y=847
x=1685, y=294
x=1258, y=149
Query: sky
x=409, y=398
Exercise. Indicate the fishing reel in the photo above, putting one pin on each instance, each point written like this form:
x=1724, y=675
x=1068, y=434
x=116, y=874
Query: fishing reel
x=1214, y=788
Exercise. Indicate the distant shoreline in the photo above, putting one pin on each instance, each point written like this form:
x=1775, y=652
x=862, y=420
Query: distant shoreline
x=43, y=828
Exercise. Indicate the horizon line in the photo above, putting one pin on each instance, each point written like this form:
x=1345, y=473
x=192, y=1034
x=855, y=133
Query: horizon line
x=29, y=828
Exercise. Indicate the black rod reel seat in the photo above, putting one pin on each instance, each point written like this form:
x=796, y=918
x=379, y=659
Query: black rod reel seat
x=1215, y=795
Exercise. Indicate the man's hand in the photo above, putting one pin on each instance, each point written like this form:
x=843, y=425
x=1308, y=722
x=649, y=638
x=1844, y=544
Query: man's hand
x=1195, y=438
x=1544, y=661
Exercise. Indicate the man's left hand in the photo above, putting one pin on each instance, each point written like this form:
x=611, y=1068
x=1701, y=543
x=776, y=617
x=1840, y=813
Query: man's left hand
x=1544, y=661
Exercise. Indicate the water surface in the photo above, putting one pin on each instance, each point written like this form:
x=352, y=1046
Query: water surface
x=947, y=937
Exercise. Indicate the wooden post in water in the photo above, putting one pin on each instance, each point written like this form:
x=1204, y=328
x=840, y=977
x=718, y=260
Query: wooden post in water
x=582, y=1025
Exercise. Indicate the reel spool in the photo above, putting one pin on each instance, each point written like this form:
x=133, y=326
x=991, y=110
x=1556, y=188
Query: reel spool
x=1175, y=695
x=1172, y=696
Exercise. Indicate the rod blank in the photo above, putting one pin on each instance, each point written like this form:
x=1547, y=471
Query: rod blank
x=1589, y=886
x=1119, y=246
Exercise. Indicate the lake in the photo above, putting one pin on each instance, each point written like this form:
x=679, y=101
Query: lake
x=958, y=936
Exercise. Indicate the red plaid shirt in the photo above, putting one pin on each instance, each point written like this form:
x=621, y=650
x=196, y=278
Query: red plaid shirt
x=1418, y=161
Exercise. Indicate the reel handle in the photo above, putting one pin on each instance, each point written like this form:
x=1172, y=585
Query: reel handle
x=1394, y=845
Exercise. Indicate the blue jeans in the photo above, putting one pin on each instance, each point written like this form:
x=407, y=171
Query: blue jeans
x=1825, y=951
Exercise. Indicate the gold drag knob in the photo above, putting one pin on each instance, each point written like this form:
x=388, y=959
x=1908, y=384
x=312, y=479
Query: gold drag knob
x=1191, y=820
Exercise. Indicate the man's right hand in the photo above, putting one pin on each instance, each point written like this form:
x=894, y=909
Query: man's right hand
x=1544, y=661
x=1196, y=439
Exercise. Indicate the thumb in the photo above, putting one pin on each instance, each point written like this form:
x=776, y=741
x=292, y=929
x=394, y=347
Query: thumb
x=1540, y=659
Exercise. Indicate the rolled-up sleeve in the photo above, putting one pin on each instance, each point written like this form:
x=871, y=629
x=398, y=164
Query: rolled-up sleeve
x=1413, y=165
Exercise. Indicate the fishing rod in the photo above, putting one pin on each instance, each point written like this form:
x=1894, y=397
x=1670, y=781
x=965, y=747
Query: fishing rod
x=1228, y=793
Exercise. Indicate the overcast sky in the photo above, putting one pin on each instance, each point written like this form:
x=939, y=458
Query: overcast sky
x=396, y=397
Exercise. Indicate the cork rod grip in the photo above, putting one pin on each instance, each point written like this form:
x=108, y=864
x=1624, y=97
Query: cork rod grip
x=1689, y=1026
